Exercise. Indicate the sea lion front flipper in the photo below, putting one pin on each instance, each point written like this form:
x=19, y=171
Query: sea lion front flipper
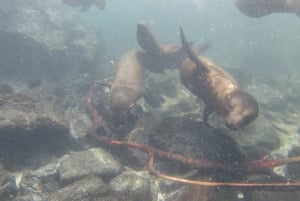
x=147, y=40
x=152, y=99
x=192, y=55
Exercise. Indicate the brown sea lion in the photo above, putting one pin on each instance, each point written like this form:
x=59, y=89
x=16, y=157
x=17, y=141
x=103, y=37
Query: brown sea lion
x=217, y=89
x=159, y=57
x=259, y=8
x=128, y=87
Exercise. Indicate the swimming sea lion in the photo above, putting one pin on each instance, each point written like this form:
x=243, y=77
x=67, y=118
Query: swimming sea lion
x=158, y=57
x=218, y=89
x=128, y=87
x=259, y=8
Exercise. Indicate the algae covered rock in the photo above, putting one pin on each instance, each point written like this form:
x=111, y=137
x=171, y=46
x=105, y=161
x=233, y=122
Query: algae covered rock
x=92, y=161
x=130, y=185
x=32, y=131
x=195, y=139
x=39, y=39
x=88, y=188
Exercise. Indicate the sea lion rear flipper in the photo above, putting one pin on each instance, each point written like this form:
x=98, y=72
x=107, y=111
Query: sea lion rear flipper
x=147, y=40
x=152, y=99
x=192, y=55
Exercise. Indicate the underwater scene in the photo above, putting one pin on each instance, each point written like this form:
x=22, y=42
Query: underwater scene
x=149, y=100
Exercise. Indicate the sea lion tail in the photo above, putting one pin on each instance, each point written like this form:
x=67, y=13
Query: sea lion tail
x=147, y=40
x=192, y=55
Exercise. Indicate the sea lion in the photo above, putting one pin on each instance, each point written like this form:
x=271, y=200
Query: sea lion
x=218, y=89
x=159, y=57
x=128, y=87
x=259, y=8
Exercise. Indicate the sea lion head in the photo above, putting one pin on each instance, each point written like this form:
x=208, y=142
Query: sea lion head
x=242, y=109
x=123, y=108
x=120, y=102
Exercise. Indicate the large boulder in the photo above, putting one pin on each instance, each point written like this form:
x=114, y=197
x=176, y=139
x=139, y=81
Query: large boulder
x=88, y=188
x=40, y=39
x=32, y=131
x=92, y=161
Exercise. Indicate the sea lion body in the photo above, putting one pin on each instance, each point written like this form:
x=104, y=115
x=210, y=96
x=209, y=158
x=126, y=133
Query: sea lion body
x=213, y=88
x=127, y=86
x=259, y=8
x=218, y=89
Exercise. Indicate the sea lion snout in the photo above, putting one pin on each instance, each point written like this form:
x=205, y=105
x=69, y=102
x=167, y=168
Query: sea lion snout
x=242, y=109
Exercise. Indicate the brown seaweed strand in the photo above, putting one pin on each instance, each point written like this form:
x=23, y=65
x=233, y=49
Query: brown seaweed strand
x=262, y=165
x=195, y=163
x=266, y=165
x=288, y=186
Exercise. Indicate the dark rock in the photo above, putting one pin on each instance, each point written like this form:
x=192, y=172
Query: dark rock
x=93, y=161
x=132, y=157
x=32, y=132
x=88, y=188
x=131, y=186
x=195, y=139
